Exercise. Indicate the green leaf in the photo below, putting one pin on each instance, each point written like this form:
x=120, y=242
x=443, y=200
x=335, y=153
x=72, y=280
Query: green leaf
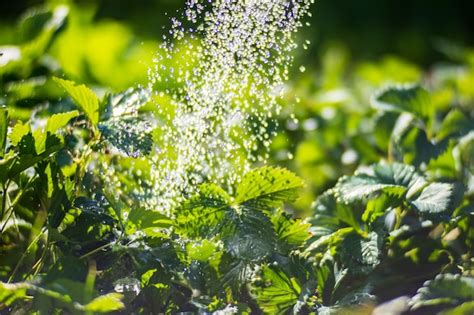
x=38, y=20
x=394, y=179
x=435, y=199
x=201, y=214
x=407, y=98
x=411, y=144
x=250, y=247
x=3, y=129
x=95, y=209
x=18, y=132
x=243, y=223
x=83, y=97
x=28, y=156
x=276, y=293
x=131, y=136
x=201, y=251
x=361, y=254
x=377, y=207
x=330, y=215
x=248, y=236
x=10, y=292
x=292, y=232
x=58, y=121
x=466, y=152
x=267, y=187
x=445, y=289
x=105, y=303
x=463, y=309
x=456, y=123
x=125, y=103
x=148, y=220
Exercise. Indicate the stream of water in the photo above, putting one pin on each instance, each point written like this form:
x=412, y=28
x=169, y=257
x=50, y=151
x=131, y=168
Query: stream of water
x=222, y=67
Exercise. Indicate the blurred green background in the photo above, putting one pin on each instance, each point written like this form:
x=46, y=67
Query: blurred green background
x=368, y=28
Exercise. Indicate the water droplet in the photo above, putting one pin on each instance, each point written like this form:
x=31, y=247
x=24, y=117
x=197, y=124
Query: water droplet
x=223, y=91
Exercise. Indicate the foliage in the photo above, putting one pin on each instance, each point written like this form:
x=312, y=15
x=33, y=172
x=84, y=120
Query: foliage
x=391, y=180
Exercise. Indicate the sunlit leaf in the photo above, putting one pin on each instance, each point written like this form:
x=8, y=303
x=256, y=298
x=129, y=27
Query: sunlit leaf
x=125, y=103
x=83, y=97
x=28, y=156
x=267, y=187
x=393, y=179
x=148, y=220
x=105, y=303
x=277, y=293
x=129, y=135
x=19, y=130
x=10, y=292
x=435, y=198
x=290, y=231
x=58, y=121
x=408, y=98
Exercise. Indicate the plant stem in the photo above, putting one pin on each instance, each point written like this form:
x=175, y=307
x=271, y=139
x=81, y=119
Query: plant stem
x=4, y=200
x=13, y=204
x=20, y=261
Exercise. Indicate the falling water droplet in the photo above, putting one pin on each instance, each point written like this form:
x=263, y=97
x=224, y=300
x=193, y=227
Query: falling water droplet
x=222, y=90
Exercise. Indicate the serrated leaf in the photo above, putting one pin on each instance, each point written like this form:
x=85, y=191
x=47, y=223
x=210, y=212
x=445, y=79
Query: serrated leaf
x=105, y=303
x=234, y=272
x=250, y=247
x=394, y=179
x=409, y=98
x=148, y=220
x=361, y=254
x=361, y=187
x=201, y=251
x=435, y=198
x=242, y=223
x=293, y=232
x=200, y=214
x=249, y=236
x=83, y=97
x=445, y=289
x=58, y=121
x=94, y=208
x=131, y=136
x=126, y=103
x=267, y=187
x=3, y=129
x=277, y=293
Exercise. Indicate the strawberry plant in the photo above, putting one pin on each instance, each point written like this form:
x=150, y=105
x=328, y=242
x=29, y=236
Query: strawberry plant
x=373, y=215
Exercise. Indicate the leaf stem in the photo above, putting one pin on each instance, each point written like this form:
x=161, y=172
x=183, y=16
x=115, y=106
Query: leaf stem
x=20, y=261
x=4, y=199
